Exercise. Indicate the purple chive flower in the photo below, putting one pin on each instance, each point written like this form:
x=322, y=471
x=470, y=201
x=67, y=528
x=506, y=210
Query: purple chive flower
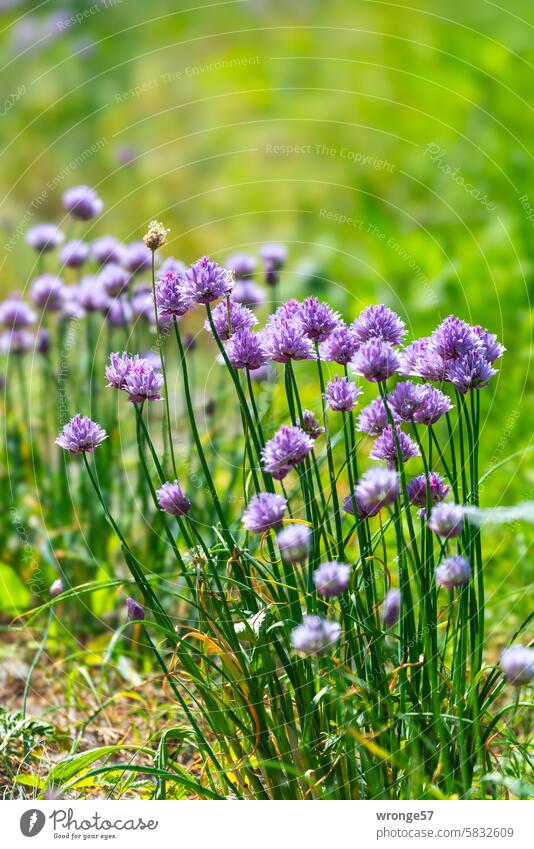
x=82, y=202
x=294, y=543
x=454, y=338
x=56, y=588
x=72, y=309
x=136, y=612
x=318, y=319
x=119, y=313
x=376, y=360
x=170, y=263
x=91, y=294
x=385, y=447
x=283, y=340
x=417, y=490
x=517, y=663
x=288, y=447
x=241, y=318
x=244, y=350
x=447, y=520
x=376, y=489
x=42, y=345
x=491, y=347
x=136, y=257
x=171, y=299
x=120, y=366
x=142, y=302
x=453, y=572
x=315, y=636
x=263, y=374
x=472, y=371
x=421, y=359
x=44, y=237
x=242, y=266
x=47, y=292
x=340, y=346
x=405, y=400
x=434, y=404
x=274, y=258
x=107, y=249
x=379, y=322
x=248, y=293
x=341, y=394
x=173, y=500
x=373, y=419
x=74, y=253
x=81, y=435
x=114, y=279
x=311, y=425
x=206, y=281
x=264, y=512
x=15, y=314
x=143, y=383
x=391, y=607
x=331, y=579
x=16, y=342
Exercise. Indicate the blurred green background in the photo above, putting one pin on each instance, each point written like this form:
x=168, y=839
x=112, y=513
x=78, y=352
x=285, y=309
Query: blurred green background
x=387, y=145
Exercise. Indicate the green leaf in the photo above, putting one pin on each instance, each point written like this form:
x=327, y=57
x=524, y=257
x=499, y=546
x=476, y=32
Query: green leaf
x=14, y=594
x=67, y=769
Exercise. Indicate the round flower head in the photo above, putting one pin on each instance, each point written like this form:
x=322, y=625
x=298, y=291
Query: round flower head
x=136, y=612
x=376, y=360
x=171, y=299
x=72, y=309
x=81, y=435
x=379, y=322
x=454, y=338
x=434, y=404
x=114, y=279
x=170, y=263
x=294, y=543
x=136, y=257
x=229, y=318
x=373, y=419
x=91, y=294
x=491, y=347
x=173, y=500
x=421, y=359
x=341, y=394
x=44, y=237
x=15, y=314
x=82, y=202
x=283, y=340
x=447, y=520
x=417, y=490
x=142, y=302
x=156, y=236
x=47, y=292
x=143, y=383
x=206, y=281
x=107, y=249
x=517, y=663
x=472, y=371
x=288, y=447
x=332, y=579
x=56, y=588
x=264, y=512
x=340, y=346
x=315, y=636
x=244, y=350
x=385, y=447
x=16, y=342
x=274, y=258
x=242, y=266
x=119, y=313
x=318, y=319
x=391, y=607
x=311, y=425
x=248, y=293
x=376, y=489
x=120, y=366
x=405, y=400
x=453, y=572
x=74, y=253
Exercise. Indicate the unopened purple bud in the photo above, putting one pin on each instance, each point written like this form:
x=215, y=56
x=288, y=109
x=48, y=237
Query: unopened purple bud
x=136, y=612
x=453, y=572
x=332, y=579
x=311, y=425
x=391, y=607
x=56, y=588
